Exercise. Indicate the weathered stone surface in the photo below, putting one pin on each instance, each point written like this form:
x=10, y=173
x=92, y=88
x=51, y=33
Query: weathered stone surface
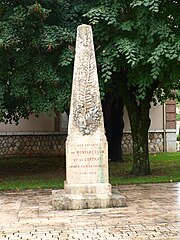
x=156, y=142
x=86, y=113
x=64, y=201
x=29, y=145
x=87, y=179
x=21, y=144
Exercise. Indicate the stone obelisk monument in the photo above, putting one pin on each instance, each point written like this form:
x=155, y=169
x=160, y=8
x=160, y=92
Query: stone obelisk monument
x=87, y=179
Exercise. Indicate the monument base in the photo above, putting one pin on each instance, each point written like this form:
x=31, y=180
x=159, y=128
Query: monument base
x=63, y=201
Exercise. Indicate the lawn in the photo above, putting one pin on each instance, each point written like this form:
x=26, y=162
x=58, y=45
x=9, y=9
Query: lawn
x=49, y=172
x=165, y=167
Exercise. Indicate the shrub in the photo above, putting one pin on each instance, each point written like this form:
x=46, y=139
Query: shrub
x=178, y=137
x=177, y=117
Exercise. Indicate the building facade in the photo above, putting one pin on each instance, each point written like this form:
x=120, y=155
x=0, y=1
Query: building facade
x=46, y=135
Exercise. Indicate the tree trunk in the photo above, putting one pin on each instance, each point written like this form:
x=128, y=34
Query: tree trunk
x=113, y=118
x=140, y=123
x=138, y=111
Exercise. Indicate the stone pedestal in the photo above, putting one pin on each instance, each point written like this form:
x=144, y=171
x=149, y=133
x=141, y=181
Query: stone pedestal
x=63, y=201
x=87, y=178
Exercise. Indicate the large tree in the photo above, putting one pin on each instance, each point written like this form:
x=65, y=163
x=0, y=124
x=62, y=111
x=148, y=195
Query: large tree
x=137, y=45
x=139, y=52
x=37, y=44
x=36, y=55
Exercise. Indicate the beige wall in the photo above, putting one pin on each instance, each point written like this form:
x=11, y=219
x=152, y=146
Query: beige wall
x=41, y=124
x=47, y=124
x=157, y=119
x=156, y=115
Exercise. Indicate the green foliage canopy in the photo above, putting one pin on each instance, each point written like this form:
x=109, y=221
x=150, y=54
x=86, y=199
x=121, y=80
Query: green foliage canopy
x=36, y=55
x=37, y=49
x=139, y=60
x=137, y=45
x=144, y=38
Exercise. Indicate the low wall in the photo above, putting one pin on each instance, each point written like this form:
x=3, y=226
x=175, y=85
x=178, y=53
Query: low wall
x=156, y=142
x=26, y=144
x=32, y=145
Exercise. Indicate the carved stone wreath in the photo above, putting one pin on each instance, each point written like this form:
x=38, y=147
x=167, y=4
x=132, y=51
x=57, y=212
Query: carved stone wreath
x=87, y=120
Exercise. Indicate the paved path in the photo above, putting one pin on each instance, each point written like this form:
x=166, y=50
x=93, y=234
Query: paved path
x=153, y=212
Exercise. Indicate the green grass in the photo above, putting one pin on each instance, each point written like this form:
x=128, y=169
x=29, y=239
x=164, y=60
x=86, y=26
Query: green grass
x=49, y=172
x=27, y=183
x=177, y=117
x=165, y=167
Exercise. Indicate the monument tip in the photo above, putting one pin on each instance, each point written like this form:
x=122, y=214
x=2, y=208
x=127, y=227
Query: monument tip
x=84, y=27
